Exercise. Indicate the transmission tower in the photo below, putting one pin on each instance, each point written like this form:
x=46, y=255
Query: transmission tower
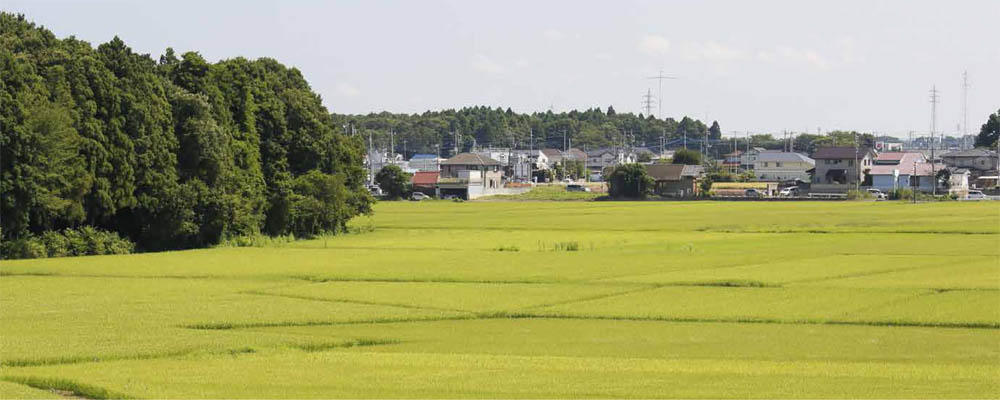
x=934, y=102
x=648, y=101
x=660, y=77
x=965, y=107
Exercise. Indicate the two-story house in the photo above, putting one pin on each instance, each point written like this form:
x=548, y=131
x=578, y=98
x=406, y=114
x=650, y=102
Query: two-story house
x=469, y=175
x=842, y=165
x=782, y=166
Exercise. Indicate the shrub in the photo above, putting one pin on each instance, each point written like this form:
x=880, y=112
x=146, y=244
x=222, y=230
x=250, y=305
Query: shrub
x=393, y=181
x=85, y=241
x=686, y=157
x=901, y=194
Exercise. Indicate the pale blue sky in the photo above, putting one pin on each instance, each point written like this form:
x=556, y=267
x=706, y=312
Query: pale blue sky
x=753, y=65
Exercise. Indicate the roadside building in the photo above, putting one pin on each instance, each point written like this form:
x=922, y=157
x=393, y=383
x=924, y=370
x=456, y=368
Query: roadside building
x=676, y=180
x=748, y=158
x=731, y=162
x=981, y=164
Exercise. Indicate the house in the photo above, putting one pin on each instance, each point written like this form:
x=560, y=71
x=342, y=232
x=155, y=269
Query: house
x=425, y=182
x=425, y=162
x=907, y=174
x=469, y=175
x=836, y=165
x=731, y=162
x=749, y=157
x=676, y=180
x=598, y=160
x=782, y=166
x=501, y=154
x=975, y=160
x=575, y=154
x=555, y=156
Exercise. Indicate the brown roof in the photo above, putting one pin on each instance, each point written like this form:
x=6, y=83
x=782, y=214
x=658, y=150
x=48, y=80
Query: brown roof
x=425, y=178
x=840, y=152
x=672, y=172
x=470, y=159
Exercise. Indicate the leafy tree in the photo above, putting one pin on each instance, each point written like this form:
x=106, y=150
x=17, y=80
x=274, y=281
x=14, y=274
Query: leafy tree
x=687, y=157
x=629, y=181
x=393, y=181
x=990, y=132
x=173, y=153
x=611, y=111
x=644, y=157
x=715, y=132
x=318, y=204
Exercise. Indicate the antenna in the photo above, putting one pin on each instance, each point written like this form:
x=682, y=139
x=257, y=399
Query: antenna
x=647, y=102
x=660, y=77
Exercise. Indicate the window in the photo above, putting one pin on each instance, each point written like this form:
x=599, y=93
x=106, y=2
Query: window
x=777, y=164
x=765, y=163
x=850, y=163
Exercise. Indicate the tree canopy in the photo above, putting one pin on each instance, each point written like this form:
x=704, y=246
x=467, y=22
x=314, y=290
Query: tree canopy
x=990, y=132
x=170, y=153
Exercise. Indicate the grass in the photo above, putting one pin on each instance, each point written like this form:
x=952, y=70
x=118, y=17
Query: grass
x=546, y=193
x=531, y=299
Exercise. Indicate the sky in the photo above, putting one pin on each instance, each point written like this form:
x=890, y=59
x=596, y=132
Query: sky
x=755, y=66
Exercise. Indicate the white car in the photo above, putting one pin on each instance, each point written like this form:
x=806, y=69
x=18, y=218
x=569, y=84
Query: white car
x=976, y=195
x=417, y=196
x=878, y=194
x=789, y=192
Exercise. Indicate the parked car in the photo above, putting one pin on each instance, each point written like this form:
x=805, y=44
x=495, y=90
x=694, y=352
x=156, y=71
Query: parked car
x=878, y=194
x=575, y=187
x=789, y=192
x=375, y=190
x=753, y=193
x=976, y=195
x=417, y=196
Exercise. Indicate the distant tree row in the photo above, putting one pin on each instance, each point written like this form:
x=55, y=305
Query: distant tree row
x=169, y=153
x=442, y=131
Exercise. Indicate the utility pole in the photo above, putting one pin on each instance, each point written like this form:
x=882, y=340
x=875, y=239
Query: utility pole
x=371, y=159
x=857, y=179
x=934, y=102
x=660, y=77
x=564, y=140
x=392, y=146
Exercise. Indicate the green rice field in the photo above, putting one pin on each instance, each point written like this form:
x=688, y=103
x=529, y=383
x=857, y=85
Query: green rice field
x=532, y=300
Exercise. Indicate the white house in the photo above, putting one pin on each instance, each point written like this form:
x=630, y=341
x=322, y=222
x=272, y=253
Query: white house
x=426, y=162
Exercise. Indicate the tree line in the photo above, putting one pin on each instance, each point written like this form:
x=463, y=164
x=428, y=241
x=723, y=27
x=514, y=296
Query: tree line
x=443, y=131
x=170, y=153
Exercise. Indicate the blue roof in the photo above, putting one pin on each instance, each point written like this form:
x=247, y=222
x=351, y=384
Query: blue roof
x=422, y=156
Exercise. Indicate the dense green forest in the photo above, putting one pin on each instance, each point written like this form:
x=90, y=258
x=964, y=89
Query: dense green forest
x=169, y=153
x=485, y=126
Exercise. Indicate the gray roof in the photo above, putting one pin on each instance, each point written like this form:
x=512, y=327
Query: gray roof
x=781, y=156
x=971, y=153
x=470, y=159
x=840, y=152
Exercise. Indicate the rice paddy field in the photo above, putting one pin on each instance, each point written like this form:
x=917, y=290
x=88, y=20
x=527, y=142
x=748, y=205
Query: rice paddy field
x=532, y=300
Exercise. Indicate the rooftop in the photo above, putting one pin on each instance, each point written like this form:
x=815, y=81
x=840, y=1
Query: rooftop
x=783, y=156
x=840, y=152
x=470, y=159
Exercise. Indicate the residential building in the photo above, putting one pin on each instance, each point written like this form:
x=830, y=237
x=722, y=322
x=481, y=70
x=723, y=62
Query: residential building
x=598, y=160
x=842, y=165
x=425, y=182
x=501, y=154
x=782, y=166
x=426, y=162
x=676, y=180
x=469, y=175
x=731, y=162
x=748, y=158
x=917, y=176
x=974, y=160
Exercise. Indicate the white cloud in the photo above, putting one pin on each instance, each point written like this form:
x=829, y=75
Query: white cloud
x=348, y=90
x=710, y=51
x=654, y=45
x=554, y=34
x=791, y=55
x=482, y=63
